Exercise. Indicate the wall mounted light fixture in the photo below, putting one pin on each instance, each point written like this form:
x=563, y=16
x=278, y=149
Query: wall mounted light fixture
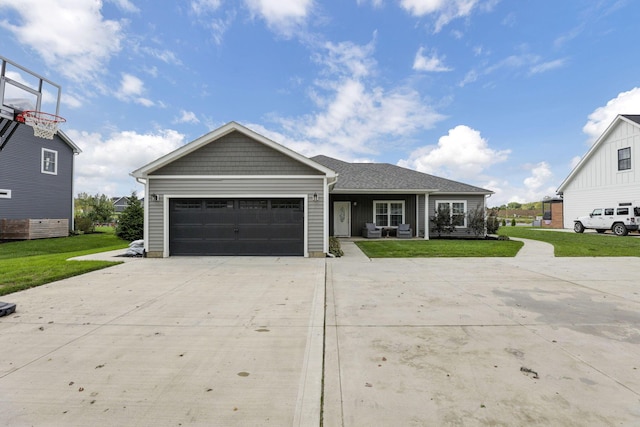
x=315, y=197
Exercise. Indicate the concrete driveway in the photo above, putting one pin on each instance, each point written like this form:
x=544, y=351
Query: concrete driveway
x=167, y=342
x=531, y=340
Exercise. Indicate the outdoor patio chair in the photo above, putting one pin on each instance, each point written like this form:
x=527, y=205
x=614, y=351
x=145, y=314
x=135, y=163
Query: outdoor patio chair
x=370, y=231
x=404, y=231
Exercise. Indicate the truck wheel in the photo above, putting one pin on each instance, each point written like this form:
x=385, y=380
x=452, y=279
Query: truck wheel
x=578, y=227
x=619, y=229
x=600, y=230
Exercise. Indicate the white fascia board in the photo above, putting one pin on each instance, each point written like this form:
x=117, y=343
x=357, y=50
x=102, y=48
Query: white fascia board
x=381, y=190
x=218, y=133
x=232, y=177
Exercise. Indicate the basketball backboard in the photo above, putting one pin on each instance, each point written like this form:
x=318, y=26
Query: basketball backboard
x=22, y=89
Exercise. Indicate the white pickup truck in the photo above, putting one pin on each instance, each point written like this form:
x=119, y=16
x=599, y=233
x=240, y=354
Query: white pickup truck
x=620, y=220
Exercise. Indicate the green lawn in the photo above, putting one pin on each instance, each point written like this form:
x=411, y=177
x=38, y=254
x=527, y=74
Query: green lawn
x=30, y=263
x=579, y=245
x=438, y=248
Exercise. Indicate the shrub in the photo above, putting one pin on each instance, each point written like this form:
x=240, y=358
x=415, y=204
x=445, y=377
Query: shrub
x=475, y=221
x=504, y=222
x=492, y=221
x=513, y=222
x=334, y=247
x=84, y=224
x=131, y=223
x=441, y=221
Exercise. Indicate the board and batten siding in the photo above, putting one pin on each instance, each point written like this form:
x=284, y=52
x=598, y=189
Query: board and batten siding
x=35, y=195
x=259, y=187
x=598, y=183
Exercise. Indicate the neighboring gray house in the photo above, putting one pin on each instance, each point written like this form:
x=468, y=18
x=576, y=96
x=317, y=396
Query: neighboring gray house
x=36, y=177
x=608, y=174
x=235, y=192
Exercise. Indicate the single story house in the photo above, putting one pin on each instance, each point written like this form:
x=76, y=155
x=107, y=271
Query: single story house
x=236, y=192
x=608, y=174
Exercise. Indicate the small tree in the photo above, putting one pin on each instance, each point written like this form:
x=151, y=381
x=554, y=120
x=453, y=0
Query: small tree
x=492, y=221
x=475, y=221
x=513, y=222
x=441, y=221
x=131, y=223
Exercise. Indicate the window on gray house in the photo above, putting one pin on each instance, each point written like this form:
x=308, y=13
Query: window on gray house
x=49, y=162
x=624, y=159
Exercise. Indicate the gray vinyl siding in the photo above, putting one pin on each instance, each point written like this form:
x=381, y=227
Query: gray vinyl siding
x=234, y=187
x=472, y=203
x=236, y=154
x=35, y=195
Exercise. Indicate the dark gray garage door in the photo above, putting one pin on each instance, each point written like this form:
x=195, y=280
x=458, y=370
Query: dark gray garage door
x=236, y=227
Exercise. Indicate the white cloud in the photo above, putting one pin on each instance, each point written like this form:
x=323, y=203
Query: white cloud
x=461, y=154
x=105, y=163
x=77, y=42
x=187, y=117
x=125, y=5
x=431, y=63
x=446, y=10
x=202, y=7
x=282, y=16
x=574, y=161
x=546, y=66
x=374, y=3
x=355, y=116
x=625, y=103
x=131, y=88
x=540, y=175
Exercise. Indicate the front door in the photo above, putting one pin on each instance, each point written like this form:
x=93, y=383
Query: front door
x=342, y=219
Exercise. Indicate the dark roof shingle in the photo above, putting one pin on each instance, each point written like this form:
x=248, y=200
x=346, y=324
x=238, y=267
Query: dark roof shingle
x=385, y=176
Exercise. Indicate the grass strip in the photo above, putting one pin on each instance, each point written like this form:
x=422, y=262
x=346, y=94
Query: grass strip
x=439, y=248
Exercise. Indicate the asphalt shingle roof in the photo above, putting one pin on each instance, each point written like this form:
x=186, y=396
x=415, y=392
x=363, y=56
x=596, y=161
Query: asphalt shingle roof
x=632, y=117
x=385, y=176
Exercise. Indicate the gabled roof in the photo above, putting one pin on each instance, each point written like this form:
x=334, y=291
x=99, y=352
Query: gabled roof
x=218, y=133
x=388, y=178
x=633, y=119
x=69, y=142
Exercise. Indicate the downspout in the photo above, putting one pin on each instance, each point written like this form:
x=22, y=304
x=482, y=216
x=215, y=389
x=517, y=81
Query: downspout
x=73, y=198
x=327, y=184
x=145, y=225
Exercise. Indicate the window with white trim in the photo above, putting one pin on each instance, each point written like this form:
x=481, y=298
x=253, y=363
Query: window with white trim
x=457, y=210
x=49, y=161
x=624, y=159
x=388, y=213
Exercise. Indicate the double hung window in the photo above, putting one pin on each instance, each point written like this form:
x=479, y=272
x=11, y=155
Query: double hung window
x=388, y=213
x=624, y=159
x=457, y=210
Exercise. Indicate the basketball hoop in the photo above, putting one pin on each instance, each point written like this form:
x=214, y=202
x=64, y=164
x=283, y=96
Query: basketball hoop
x=45, y=125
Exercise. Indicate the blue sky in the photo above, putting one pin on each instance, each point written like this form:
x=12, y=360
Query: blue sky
x=506, y=95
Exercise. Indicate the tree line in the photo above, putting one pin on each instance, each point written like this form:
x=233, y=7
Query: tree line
x=93, y=210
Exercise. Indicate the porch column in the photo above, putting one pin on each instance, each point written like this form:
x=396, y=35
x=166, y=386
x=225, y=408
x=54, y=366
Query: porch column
x=426, y=216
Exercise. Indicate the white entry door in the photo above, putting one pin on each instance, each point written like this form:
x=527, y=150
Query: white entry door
x=342, y=219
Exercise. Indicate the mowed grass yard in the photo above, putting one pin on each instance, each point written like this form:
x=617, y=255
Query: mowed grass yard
x=570, y=244
x=438, y=248
x=566, y=244
x=29, y=263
